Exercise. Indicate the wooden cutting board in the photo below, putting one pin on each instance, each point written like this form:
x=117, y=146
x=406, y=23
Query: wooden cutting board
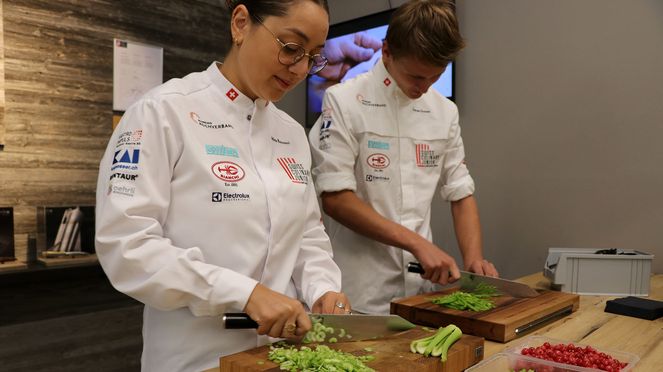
x=391, y=354
x=511, y=318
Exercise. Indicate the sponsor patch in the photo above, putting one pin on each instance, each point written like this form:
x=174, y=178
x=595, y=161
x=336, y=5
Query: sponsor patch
x=123, y=176
x=130, y=138
x=221, y=150
x=227, y=171
x=126, y=159
x=378, y=161
x=377, y=178
x=208, y=124
x=425, y=156
x=121, y=190
x=366, y=102
x=378, y=145
x=229, y=197
x=295, y=171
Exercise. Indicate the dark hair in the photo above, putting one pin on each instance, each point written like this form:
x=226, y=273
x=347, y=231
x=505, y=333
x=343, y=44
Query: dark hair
x=265, y=8
x=426, y=30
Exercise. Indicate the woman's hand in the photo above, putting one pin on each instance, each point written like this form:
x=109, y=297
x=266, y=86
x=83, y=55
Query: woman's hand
x=332, y=303
x=277, y=315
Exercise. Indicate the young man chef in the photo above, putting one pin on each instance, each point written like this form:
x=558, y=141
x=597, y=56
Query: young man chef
x=381, y=148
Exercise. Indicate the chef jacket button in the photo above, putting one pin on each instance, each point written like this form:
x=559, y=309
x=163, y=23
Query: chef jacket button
x=248, y=117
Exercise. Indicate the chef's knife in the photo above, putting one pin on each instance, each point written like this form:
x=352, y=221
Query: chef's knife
x=359, y=326
x=469, y=281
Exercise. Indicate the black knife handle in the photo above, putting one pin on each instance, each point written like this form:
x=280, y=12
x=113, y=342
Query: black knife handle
x=415, y=267
x=238, y=321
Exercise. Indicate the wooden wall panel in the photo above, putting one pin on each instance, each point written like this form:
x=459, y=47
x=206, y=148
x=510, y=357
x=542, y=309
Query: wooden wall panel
x=58, y=71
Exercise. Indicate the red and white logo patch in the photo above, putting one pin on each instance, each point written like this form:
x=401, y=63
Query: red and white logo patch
x=425, y=156
x=378, y=161
x=295, y=171
x=227, y=171
x=387, y=82
x=232, y=94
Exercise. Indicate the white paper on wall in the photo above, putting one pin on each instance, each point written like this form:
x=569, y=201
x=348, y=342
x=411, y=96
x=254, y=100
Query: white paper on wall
x=137, y=68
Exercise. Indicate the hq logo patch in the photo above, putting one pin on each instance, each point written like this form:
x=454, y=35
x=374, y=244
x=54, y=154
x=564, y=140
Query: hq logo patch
x=228, y=171
x=378, y=161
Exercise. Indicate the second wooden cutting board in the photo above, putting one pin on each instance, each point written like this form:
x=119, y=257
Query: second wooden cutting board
x=391, y=354
x=511, y=317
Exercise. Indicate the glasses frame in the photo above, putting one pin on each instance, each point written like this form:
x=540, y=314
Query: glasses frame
x=312, y=67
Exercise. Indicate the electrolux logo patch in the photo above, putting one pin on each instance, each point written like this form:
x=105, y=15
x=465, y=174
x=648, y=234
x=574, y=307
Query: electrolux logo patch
x=208, y=124
x=377, y=178
x=366, y=102
x=228, y=197
x=221, y=150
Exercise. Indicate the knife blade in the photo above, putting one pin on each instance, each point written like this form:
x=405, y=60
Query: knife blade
x=469, y=281
x=358, y=326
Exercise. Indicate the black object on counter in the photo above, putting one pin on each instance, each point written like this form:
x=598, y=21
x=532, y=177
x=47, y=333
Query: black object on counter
x=636, y=307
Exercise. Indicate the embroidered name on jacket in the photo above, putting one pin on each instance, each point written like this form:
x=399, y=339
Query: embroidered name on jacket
x=208, y=124
x=425, y=156
x=295, y=171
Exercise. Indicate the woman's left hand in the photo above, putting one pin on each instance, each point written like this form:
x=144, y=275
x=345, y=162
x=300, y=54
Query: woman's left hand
x=332, y=303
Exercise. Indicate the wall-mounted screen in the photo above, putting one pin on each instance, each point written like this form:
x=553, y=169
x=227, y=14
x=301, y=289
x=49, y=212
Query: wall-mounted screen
x=6, y=234
x=373, y=29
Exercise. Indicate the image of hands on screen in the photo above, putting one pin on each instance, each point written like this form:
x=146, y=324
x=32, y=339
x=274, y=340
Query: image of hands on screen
x=350, y=55
x=346, y=52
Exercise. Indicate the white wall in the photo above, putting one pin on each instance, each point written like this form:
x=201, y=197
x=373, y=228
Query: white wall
x=561, y=106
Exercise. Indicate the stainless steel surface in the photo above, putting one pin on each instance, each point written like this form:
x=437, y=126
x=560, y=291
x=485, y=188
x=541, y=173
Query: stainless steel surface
x=362, y=327
x=550, y=317
x=469, y=281
x=359, y=326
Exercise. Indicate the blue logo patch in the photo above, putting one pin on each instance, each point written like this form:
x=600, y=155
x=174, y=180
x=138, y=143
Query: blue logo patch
x=126, y=159
x=378, y=145
x=221, y=150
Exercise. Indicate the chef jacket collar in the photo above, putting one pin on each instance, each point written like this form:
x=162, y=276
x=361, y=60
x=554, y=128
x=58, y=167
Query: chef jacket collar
x=384, y=78
x=230, y=91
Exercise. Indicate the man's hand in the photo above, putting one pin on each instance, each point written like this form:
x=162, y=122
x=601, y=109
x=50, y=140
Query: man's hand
x=332, y=303
x=482, y=267
x=439, y=267
x=277, y=315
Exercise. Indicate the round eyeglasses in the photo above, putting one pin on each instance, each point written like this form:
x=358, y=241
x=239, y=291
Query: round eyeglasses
x=291, y=53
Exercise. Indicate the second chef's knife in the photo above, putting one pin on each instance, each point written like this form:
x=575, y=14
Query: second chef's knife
x=359, y=326
x=471, y=280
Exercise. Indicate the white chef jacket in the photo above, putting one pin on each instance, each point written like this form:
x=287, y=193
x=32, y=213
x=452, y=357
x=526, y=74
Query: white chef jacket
x=393, y=152
x=203, y=193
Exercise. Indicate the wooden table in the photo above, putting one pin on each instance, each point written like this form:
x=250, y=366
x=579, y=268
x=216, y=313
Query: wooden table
x=592, y=326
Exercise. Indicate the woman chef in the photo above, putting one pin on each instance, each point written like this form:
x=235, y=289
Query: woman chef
x=205, y=203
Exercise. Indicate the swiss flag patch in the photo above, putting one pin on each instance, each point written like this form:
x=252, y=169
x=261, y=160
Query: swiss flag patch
x=232, y=94
x=387, y=82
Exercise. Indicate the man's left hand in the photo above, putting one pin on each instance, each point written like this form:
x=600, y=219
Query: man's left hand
x=482, y=267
